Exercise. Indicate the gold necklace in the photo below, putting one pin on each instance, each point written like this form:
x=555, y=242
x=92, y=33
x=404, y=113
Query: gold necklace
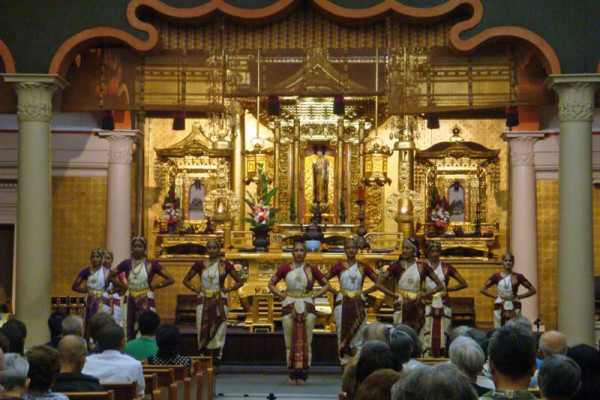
x=139, y=266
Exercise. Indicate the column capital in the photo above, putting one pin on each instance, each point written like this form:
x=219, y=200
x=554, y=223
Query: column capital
x=34, y=94
x=521, y=146
x=120, y=144
x=575, y=95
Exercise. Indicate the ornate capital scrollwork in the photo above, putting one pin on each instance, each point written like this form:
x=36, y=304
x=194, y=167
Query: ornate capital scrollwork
x=575, y=99
x=120, y=145
x=521, y=149
x=34, y=101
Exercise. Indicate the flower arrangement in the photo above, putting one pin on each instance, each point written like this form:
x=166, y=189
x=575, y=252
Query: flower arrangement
x=261, y=214
x=171, y=207
x=438, y=212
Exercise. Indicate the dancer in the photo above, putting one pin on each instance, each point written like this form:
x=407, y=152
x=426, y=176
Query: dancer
x=438, y=313
x=508, y=301
x=410, y=275
x=298, y=312
x=115, y=296
x=212, y=308
x=140, y=285
x=350, y=310
x=96, y=286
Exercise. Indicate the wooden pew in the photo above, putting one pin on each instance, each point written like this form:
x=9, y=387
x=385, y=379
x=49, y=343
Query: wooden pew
x=165, y=378
x=108, y=395
x=151, y=390
x=204, y=364
x=122, y=390
x=180, y=373
x=432, y=360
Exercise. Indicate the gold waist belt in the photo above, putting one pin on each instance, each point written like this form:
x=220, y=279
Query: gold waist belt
x=350, y=293
x=137, y=293
x=408, y=295
x=211, y=293
x=297, y=294
x=439, y=294
x=96, y=293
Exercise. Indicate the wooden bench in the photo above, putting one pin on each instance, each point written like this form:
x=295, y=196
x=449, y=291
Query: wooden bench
x=165, y=379
x=463, y=311
x=433, y=360
x=151, y=390
x=122, y=390
x=204, y=365
x=108, y=395
x=185, y=310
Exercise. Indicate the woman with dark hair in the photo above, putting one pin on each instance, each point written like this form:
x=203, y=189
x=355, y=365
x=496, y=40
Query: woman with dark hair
x=96, y=287
x=350, y=304
x=44, y=367
x=212, y=308
x=410, y=275
x=16, y=333
x=139, y=296
x=298, y=312
x=168, y=340
x=115, y=307
x=588, y=360
x=438, y=313
x=507, y=302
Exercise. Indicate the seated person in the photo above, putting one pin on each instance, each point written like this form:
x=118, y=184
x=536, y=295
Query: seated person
x=111, y=365
x=44, y=366
x=55, y=326
x=16, y=332
x=168, y=339
x=72, y=352
x=72, y=325
x=145, y=345
x=14, y=377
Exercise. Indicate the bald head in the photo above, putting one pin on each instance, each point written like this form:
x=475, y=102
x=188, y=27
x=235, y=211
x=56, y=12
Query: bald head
x=72, y=351
x=552, y=342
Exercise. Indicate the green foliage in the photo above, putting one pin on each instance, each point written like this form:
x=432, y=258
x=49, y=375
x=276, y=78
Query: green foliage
x=261, y=213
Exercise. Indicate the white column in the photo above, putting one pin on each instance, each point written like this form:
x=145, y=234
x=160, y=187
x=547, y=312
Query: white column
x=34, y=202
x=523, y=228
x=118, y=202
x=575, y=214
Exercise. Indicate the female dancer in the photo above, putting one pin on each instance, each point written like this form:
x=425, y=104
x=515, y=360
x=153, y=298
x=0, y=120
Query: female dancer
x=438, y=314
x=115, y=306
x=212, y=309
x=96, y=287
x=139, y=295
x=350, y=310
x=410, y=275
x=298, y=313
x=508, y=301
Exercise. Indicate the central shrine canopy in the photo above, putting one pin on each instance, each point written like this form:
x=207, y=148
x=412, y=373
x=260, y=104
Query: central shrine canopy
x=45, y=39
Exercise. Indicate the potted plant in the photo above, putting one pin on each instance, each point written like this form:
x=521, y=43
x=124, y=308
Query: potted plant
x=261, y=215
x=171, y=210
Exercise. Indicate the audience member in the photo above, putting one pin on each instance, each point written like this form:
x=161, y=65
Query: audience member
x=512, y=362
x=96, y=323
x=374, y=355
x=72, y=351
x=457, y=332
x=551, y=343
x=111, y=365
x=4, y=344
x=522, y=322
x=468, y=357
x=588, y=360
x=401, y=346
x=16, y=333
x=72, y=325
x=349, y=384
x=442, y=382
x=145, y=345
x=376, y=331
x=559, y=378
x=168, y=339
x=417, y=347
x=378, y=385
x=54, y=324
x=14, y=378
x=44, y=366
x=480, y=338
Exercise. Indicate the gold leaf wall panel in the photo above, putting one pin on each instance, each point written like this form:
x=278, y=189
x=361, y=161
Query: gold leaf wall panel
x=547, y=225
x=78, y=226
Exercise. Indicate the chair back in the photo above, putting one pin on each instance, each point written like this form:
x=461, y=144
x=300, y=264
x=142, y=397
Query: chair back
x=108, y=395
x=122, y=390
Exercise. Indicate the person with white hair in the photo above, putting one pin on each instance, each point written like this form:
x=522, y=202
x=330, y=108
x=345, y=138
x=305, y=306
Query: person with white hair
x=14, y=377
x=442, y=382
x=468, y=357
x=72, y=325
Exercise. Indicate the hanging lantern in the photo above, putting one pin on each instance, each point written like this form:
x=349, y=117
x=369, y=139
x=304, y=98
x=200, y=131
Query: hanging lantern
x=258, y=158
x=376, y=160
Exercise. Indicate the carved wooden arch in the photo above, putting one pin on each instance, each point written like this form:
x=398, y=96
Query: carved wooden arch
x=7, y=58
x=72, y=46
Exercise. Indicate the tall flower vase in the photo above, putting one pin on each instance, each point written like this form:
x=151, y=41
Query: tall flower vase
x=261, y=239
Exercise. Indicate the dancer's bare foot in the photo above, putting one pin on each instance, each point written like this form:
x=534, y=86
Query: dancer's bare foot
x=301, y=382
x=293, y=382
